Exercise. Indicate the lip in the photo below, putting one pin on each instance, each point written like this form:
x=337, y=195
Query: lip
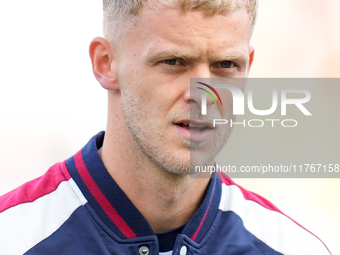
x=192, y=136
x=195, y=122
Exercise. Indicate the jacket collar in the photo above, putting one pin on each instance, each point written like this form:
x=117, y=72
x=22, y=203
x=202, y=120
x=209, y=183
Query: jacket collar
x=116, y=210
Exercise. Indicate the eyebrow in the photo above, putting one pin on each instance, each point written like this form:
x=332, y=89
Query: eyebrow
x=233, y=55
x=237, y=56
x=168, y=54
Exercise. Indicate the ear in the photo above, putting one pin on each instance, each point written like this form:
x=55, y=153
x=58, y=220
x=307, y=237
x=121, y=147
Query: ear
x=103, y=63
x=251, y=57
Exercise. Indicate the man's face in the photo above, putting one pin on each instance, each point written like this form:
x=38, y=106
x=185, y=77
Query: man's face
x=162, y=51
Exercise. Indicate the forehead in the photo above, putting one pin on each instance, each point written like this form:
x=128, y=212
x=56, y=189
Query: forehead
x=175, y=18
x=161, y=27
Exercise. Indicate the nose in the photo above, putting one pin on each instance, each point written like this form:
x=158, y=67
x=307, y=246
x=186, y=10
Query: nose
x=199, y=92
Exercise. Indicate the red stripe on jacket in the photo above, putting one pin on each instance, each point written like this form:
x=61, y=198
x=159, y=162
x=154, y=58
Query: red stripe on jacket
x=101, y=198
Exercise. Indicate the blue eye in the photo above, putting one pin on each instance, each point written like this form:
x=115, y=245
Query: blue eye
x=227, y=64
x=171, y=62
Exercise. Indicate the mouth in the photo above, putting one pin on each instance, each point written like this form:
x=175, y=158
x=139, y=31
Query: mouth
x=193, y=130
x=192, y=127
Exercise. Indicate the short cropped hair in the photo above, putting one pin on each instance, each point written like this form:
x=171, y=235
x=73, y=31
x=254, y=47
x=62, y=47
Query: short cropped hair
x=118, y=13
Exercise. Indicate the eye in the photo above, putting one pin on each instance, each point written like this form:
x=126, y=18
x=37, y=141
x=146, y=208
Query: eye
x=227, y=64
x=171, y=62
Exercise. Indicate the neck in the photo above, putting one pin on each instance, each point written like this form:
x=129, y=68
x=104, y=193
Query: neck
x=166, y=200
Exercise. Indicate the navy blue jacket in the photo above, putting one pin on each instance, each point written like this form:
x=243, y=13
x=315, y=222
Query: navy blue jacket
x=76, y=208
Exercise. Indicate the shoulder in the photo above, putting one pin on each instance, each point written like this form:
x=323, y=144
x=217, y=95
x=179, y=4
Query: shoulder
x=35, y=189
x=267, y=223
x=35, y=210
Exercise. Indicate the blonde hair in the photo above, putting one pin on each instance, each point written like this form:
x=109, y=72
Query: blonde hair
x=117, y=13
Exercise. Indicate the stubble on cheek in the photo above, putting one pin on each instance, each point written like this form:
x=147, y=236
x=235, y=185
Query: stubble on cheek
x=152, y=137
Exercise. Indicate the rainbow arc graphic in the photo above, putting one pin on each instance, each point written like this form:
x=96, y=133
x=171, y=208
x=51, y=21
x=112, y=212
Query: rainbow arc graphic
x=209, y=93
